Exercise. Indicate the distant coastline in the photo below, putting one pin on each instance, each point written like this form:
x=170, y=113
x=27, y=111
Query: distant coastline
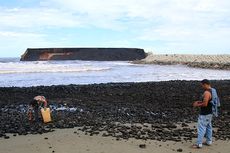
x=199, y=61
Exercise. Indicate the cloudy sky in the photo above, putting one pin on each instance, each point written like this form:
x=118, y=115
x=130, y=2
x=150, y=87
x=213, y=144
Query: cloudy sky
x=161, y=26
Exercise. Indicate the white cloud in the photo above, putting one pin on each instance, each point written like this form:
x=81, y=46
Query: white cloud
x=10, y=34
x=177, y=23
x=111, y=13
x=156, y=14
x=36, y=18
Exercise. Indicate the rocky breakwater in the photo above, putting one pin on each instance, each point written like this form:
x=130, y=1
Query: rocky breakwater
x=95, y=54
x=200, y=61
x=153, y=110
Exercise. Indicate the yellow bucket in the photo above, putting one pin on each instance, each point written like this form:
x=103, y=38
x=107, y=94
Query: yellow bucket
x=46, y=115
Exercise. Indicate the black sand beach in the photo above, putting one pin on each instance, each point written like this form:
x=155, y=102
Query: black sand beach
x=150, y=111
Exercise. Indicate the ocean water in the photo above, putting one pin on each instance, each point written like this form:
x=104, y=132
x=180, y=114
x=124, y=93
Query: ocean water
x=24, y=74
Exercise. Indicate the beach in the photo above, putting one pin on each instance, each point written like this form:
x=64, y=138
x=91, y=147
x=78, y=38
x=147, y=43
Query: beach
x=66, y=141
x=108, y=107
x=115, y=76
x=113, y=117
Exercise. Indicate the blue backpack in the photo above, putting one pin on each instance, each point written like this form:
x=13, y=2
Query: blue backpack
x=215, y=102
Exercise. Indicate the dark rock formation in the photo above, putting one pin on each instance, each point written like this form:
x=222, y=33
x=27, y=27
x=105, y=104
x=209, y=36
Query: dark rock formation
x=199, y=61
x=142, y=145
x=162, y=109
x=95, y=54
x=179, y=150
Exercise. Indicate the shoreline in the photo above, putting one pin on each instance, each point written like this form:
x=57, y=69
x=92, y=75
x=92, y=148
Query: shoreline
x=156, y=112
x=221, y=62
x=67, y=140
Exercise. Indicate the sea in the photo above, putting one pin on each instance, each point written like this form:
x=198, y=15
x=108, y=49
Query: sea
x=16, y=73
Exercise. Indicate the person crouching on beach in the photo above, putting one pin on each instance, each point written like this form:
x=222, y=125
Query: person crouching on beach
x=34, y=105
x=208, y=108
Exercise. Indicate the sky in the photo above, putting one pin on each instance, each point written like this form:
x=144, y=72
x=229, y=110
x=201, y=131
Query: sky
x=158, y=26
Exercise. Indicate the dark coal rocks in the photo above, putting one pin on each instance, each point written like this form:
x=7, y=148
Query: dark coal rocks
x=179, y=150
x=142, y=146
x=163, y=110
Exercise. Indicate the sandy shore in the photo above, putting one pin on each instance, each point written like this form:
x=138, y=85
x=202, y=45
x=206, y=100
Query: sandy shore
x=202, y=61
x=162, y=110
x=66, y=141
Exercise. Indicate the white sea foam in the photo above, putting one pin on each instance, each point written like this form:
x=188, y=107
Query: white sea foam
x=16, y=73
x=46, y=67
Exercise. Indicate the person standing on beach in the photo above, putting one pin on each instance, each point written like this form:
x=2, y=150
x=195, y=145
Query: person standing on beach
x=207, y=110
x=34, y=105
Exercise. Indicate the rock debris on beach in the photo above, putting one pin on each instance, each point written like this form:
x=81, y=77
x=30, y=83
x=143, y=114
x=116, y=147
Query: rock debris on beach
x=179, y=150
x=142, y=145
x=148, y=111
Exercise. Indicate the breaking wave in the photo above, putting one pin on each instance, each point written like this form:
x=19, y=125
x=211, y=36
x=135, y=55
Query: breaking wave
x=25, y=74
x=47, y=67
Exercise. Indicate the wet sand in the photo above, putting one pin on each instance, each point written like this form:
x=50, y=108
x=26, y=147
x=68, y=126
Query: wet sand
x=66, y=141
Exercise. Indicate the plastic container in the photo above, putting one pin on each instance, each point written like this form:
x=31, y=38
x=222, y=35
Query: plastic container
x=46, y=115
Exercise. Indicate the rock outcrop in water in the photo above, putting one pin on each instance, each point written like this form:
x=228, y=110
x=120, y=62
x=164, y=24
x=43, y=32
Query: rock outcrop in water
x=163, y=110
x=95, y=54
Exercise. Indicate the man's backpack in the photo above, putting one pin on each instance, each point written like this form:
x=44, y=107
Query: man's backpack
x=215, y=102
